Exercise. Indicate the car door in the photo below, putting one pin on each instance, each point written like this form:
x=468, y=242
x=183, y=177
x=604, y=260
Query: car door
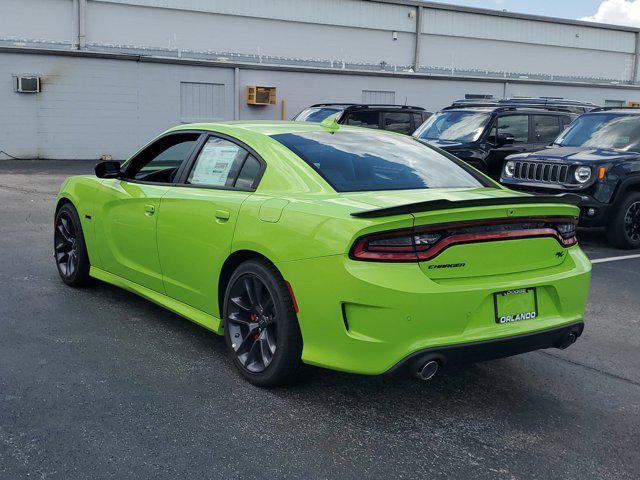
x=545, y=129
x=127, y=215
x=198, y=217
x=512, y=125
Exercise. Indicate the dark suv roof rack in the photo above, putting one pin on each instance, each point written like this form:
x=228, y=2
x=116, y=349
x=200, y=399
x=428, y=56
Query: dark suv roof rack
x=540, y=102
x=367, y=105
x=506, y=108
x=606, y=109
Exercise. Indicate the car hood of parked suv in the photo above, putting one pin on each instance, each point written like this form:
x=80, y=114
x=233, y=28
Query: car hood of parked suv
x=576, y=155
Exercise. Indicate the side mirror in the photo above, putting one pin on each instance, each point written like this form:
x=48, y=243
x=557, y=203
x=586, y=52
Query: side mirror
x=504, y=139
x=109, y=169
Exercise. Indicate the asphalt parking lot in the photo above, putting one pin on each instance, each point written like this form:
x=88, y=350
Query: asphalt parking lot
x=99, y=383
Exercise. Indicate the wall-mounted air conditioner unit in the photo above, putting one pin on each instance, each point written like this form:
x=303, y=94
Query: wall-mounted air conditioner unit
x=27, y=84
x=261, y=95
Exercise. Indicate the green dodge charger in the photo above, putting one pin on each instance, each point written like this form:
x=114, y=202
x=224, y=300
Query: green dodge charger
x=345, y=248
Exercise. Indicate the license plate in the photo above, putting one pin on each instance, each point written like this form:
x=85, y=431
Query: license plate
x=516, y=305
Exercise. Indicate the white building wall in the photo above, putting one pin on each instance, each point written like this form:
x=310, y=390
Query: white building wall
x=91, y=107
x=94, y=106
x=357, y=32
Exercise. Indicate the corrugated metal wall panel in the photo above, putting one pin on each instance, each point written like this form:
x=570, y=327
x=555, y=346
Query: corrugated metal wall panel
x=524, y=59
x=463, y=24
x=109, y=24
x=353, y=13
x=50, y=21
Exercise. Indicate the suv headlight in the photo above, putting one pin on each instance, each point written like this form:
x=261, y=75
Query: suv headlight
x=509, y=168
x=583, y=174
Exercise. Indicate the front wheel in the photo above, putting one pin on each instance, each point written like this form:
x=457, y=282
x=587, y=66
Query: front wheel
x=260, y=324
x=70, y=251
x=624, y=229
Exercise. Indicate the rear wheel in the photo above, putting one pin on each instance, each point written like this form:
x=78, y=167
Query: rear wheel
x=70, y=251
x=261, y=327
x=624, y=229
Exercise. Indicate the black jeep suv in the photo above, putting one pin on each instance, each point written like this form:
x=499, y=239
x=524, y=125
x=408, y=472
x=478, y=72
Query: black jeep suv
x=483, y=134
x=397, y=118
x=598, y=158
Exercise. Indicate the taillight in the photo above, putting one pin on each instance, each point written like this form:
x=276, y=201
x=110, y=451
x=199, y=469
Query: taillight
x=424, y=243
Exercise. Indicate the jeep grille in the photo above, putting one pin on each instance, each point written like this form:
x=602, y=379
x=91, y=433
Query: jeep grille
x=541, y=172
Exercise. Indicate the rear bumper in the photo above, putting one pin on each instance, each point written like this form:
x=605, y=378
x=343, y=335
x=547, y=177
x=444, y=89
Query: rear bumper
x=366, y=317
x=560, y=337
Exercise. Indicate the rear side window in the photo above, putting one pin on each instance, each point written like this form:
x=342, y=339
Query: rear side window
x=352, y=161
x=365, y=118
x=248, y=174
x=222, y=163
x=417, y=120
x=516, y=125
x=397, y=122
x=545, y=128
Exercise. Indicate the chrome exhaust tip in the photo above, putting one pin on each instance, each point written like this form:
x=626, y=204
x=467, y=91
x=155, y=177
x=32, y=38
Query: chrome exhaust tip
x=569, y=340
x=428, y=370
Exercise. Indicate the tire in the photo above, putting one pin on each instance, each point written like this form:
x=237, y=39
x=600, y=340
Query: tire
x=623, y=230
x=70, y=250
x=260, y=325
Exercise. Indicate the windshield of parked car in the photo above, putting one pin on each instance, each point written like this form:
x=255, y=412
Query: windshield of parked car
x=354, y=161
x=316, y=114
x=454, y=126
x=603, y=130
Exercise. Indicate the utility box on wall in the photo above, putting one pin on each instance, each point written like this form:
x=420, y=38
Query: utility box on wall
x=261, y=95
x=26, y=84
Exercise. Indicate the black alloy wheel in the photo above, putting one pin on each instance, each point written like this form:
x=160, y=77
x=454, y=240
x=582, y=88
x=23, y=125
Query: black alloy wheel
x=252, y=321
x=260, y=324
x=69, y=249
x=66, y=245
x=632, y=222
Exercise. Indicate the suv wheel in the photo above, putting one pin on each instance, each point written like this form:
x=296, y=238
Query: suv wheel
x=624, y=229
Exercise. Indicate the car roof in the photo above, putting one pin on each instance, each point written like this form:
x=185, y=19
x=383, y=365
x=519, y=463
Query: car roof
x=364, y=106
x=616, y=110
x=265, y=127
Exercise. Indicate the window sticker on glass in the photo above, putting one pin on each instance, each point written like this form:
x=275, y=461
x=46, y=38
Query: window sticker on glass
x=215, y=163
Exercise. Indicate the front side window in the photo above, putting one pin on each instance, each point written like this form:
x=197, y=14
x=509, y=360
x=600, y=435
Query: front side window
x=397, y=122
x=454, y=126
x=352, y=161
x=316, y=114
x=545, y=128
x=365, y=119
x=222, y=163
x=603, y=130
x=516, y=126
x=160, y=161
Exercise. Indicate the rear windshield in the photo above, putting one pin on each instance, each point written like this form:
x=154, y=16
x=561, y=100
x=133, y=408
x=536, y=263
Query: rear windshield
x=603, y=130
x=355, y=161
x=316, y=114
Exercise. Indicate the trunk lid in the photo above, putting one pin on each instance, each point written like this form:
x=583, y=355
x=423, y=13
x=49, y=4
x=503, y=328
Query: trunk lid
x=487, y=231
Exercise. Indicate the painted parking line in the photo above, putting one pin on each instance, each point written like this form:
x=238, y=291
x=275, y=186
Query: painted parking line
x=615, y=259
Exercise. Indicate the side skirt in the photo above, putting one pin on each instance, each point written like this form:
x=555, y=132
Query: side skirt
x=193, y=314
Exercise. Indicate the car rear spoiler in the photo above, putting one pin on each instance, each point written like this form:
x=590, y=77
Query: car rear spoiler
x=442, y=204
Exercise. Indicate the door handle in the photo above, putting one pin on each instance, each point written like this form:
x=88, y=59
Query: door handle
x=149, y=210
x=222, y=214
